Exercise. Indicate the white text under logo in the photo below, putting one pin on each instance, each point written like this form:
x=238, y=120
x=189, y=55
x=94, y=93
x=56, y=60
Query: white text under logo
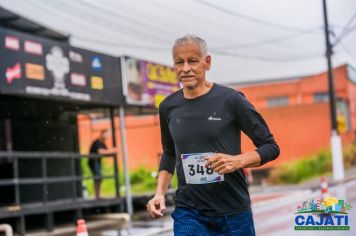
x=214, y=118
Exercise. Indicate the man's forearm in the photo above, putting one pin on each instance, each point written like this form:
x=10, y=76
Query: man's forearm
x=103, y=151
x=164, y=179
x=251, y=159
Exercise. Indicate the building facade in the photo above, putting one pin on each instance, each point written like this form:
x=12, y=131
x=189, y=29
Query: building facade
x=297, y=111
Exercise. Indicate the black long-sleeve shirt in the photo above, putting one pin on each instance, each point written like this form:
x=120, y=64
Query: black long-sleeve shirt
x=212, y=123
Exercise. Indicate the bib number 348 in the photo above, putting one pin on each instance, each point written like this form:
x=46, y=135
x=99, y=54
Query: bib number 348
x=195, y=171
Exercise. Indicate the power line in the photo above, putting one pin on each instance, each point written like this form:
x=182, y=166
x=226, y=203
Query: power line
x=344, y=32
x=270, y=41
x=114, y=25
x=217, y=52
x=81, y=26
x=199, y=19
x=116, y=14
x=222, y=53
x=343, y=27
x=339, y=42
x=136, y=46
x=348, y=51
x=248, y=18
x=78, y=35
x=235, y=46
x=264, y=58
x=244, y=56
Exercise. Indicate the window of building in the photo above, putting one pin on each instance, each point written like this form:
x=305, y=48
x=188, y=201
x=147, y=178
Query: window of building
x=352, y=73
x=321, y=97
x=277, y=101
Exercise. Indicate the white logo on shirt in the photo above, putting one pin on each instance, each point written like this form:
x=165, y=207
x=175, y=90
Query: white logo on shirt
x=214, y=118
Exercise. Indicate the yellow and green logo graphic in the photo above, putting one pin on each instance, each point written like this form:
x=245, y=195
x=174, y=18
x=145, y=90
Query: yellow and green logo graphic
x=328, y=214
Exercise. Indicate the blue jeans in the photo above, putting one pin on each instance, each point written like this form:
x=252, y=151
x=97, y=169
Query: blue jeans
x=191, y=222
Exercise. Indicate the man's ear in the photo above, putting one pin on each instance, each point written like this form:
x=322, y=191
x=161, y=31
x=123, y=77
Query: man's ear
x=208, y=62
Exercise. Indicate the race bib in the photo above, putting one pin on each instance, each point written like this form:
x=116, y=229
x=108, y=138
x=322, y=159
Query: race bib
x=195, y=171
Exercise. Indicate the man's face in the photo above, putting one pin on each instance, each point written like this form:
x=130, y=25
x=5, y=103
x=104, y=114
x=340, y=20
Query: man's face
x=103, y=136
x=190, y=65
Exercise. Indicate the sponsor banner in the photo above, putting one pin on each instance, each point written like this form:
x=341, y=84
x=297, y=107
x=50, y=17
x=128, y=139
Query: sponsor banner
x=12, y=43
x=75, y=57
x=96, y=64
x=78, y=79
x=13, y=73
x=97, y=82
x=51, y=69
x=33, y=47
x=102, y=75
x=34, y=71
x=147, y=83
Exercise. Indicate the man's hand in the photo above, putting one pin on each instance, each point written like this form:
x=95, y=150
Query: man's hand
x=156, y=206
x=224, y=163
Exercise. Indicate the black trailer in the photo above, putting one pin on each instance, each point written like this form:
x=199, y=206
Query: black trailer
x=44, y=84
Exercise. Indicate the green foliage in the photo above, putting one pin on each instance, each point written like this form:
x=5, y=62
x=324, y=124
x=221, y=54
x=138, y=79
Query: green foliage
x=142, y=180
x=88, y=183
x=107, y=185
x=174, y=182
x=350, y=155
x=300, y=170
x=309, y=167
x=141, y=175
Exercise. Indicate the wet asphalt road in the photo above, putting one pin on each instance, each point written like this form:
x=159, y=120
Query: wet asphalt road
x=273, y=214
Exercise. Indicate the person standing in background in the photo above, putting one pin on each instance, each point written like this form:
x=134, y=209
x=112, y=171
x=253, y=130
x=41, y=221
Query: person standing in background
x=97, y=147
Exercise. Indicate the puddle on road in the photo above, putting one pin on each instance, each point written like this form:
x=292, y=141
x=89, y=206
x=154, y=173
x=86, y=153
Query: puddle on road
x=142, y=225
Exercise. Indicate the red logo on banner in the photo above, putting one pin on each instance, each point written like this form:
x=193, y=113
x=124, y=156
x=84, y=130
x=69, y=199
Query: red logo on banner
x=12, y=43
x=13, y=73
x=33, y=47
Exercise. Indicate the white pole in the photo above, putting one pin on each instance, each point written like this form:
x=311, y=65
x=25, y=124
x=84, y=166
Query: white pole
x=7, y=229
x=337, y=160
x=125, y=161
x=336, y=147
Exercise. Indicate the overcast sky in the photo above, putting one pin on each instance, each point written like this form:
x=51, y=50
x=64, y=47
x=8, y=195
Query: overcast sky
x=248, y=39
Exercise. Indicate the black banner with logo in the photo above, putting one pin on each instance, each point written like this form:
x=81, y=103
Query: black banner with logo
x=38, y=67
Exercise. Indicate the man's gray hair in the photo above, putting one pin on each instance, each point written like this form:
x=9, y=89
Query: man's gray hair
x=192, y=38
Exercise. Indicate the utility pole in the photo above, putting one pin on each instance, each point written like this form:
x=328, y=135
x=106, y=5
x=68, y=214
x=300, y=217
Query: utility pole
x=336, y=147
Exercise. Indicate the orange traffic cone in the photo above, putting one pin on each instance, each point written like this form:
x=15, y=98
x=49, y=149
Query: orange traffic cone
x=324, y=188
x=82, y=228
